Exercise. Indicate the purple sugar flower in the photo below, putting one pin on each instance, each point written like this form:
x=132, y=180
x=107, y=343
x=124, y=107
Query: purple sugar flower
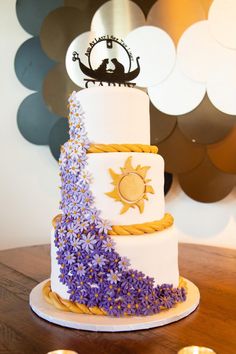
x=124, y=263
x=108, y=245
x=167, y=302
x=61, y=230
x=83, y=189
x=80, y=269
x=98, y=260
x=74, y=167
x=88, y=241
x=94, y=216
x=95, y=296
x=83, y=225
x=72, y=230
x=75, y=151
x=81, y=160
x=69, y=186
x=61, y=244
x=88, y=199
x=69, y=257
x=75, y=243
x=86, y=144
x=86, y=177
x=113, y=277
x=103, y=226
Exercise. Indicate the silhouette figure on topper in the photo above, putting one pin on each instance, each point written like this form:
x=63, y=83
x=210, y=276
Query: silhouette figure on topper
x=119, y=68
x=102, y=69
x=102, y=73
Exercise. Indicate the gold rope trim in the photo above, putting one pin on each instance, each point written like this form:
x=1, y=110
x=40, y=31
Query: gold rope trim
x=123, y=148
x=133, y=229
x=140, y=229
x=69, y=306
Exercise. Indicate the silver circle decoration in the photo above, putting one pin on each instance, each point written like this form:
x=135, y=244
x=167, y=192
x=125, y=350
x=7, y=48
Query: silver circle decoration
x=117, y=17
x=156, y=51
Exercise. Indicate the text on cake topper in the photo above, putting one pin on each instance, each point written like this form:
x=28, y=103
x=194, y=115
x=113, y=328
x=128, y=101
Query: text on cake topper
x=102, y=74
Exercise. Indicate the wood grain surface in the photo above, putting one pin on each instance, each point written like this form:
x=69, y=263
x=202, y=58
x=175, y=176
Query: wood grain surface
x=213, y=324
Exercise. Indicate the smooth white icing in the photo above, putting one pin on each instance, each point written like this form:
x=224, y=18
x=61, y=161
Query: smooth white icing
x=116, y=115
x=99, y=165
x=156, y=255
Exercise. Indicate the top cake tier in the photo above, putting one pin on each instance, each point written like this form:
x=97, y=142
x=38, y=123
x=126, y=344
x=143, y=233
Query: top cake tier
x=116, y=115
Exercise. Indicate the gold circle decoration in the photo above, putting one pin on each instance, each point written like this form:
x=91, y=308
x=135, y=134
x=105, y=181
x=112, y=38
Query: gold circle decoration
x=206, y=124
x=223, y=153
x=162, y=125
x=57, y=87
x=175, y=16
x=58, y=30
x=180, y=154
x=130, y=186
x=206, y=183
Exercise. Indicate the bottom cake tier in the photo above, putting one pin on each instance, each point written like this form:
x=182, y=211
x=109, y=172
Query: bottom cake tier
x=156, y=255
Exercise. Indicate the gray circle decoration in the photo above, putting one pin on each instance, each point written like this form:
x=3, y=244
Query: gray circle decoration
x=31, y=13
x=59, y=134
x=32, y=64
x=34, y=120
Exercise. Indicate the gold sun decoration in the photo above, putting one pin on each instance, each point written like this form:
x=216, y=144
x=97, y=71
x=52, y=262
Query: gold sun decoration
x=130, y=186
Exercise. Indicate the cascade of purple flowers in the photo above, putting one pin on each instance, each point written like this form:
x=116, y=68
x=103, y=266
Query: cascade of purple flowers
x=94, y=273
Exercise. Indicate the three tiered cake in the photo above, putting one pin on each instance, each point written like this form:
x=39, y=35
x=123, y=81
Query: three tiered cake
x=114, y=250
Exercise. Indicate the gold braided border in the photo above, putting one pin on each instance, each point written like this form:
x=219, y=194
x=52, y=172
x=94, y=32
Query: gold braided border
x=144, y=228
x=96, y=148
x=134, y=229
x=69, y=306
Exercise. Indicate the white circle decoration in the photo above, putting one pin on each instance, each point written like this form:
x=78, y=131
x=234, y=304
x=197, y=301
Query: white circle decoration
x=80, y=45
x=178, y=94
x=156, y=51
x=117, y=17
x=195, y=51
x=222, y=22
x=204, y=59
x=221, y=86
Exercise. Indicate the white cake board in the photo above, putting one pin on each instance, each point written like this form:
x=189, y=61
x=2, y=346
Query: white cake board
x=112, y=324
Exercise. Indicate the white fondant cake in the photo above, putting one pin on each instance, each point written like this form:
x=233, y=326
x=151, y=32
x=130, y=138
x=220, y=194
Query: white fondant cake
x=99, y=165
x=128, y=190
x=116, y=115
x=155, y=255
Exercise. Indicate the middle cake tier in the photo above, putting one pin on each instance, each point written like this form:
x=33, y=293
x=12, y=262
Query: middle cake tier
x=128, y=187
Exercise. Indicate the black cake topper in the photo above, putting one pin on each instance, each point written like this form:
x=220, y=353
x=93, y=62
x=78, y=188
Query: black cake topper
x=101, y=74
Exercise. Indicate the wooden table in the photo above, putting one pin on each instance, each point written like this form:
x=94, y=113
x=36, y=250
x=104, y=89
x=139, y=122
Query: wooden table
x=213, y=324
